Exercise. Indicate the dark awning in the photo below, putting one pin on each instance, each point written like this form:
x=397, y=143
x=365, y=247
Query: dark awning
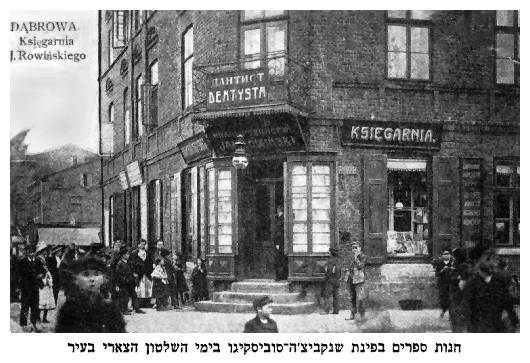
x=264, y=133
x=68, y=235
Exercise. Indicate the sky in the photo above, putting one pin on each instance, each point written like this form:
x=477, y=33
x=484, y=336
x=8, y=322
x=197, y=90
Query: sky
x=56, y=99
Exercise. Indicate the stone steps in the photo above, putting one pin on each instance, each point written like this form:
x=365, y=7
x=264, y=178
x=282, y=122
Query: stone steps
x=300, y=307
x=261, y=286
x=237, y=296
x=242, y=293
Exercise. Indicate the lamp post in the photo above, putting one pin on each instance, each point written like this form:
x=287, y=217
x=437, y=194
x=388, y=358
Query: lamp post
x=240, y=160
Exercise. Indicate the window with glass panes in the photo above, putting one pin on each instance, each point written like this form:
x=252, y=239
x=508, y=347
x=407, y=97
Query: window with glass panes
x=126, y=116
x=153, y=102
x=311, y=207
x=264, y=40
x=507, y=46
x=120, y=28
x=506, y=203
x=220, y=210
x=408, y=44
x=138, y=19
x=139, y=130
x=187, y=65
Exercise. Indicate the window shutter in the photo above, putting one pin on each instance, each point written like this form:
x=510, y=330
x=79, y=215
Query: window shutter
x=374, y=202
x=445, y=203
x=82, y=181
x=118, y=219
x=143, y=212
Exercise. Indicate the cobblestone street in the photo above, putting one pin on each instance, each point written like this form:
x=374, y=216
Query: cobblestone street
x=191, y=321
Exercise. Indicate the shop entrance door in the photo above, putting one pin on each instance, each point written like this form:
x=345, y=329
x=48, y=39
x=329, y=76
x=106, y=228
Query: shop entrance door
x=268, y=226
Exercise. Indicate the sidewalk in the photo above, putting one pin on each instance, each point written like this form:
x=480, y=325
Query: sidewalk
x=191, y=321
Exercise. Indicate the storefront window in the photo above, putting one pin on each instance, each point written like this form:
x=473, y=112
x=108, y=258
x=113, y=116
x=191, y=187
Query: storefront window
x=311, y=221
x=507, y=206
x=408, y=216
x=220, y=207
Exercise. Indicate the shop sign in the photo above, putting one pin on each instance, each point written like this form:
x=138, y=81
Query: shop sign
x=237, y=89
x=123, y=180
x=261, y=136
x=134, y=173
x=195, y=148
x=471, y=194
x=391, y=134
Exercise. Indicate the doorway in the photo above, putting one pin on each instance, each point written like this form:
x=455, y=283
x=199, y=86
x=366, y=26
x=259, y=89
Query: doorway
x=262, y=221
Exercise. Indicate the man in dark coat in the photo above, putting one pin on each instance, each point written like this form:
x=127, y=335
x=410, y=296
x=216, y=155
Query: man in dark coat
x=124, y=280
x=444, y=268
x=88, y=307
x=488, y=297
x=262, y=323
x=30, y=273
x=330, y=286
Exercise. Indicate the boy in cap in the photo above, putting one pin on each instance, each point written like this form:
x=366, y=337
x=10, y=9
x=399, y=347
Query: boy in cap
x=330, y=286
x=355, y=280
x=262, y=323
x=124, y=280
x=88, y=308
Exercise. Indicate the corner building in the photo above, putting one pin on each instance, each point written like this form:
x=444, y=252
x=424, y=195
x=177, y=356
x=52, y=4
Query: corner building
x=397, y=129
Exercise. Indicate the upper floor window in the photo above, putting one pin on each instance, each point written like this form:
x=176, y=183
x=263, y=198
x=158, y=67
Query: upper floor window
x=139, y=129
x=408, y=44
x=120, y=28
x=126, y=116
x=264, y=40
x=111, y=113
x=153, y=96
x=110, y=50
x=507, y=46
x=138, y=19
x=187, y=61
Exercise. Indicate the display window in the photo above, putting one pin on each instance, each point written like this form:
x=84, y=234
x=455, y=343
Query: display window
x=408, y=212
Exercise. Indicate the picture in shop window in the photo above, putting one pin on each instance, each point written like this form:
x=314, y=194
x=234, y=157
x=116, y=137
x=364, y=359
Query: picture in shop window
x=507, y=206
x=408, y=216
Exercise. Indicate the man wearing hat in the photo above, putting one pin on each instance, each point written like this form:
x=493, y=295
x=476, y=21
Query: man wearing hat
x=355, y=280
x=88, y=308
x=262, y=323
x=124, y=281
x=330, y=287
x=30, y=271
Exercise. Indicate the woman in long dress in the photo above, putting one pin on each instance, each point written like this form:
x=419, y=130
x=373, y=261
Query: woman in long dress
x=142, y=266
x=199, y=290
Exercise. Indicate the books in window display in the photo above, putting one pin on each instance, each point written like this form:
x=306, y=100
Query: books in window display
x=406, y=244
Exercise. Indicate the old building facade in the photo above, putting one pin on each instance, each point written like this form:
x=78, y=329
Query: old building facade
x=397, y=129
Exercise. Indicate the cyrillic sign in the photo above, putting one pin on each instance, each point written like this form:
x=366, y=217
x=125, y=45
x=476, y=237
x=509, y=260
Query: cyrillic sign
x=236, y=89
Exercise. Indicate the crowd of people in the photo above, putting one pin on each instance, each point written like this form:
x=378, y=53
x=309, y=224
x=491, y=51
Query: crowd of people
x=475, y=287
x=477, y=291
x=117, y=281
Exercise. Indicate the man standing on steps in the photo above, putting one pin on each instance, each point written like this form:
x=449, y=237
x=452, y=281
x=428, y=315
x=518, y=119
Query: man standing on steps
x=262, y=323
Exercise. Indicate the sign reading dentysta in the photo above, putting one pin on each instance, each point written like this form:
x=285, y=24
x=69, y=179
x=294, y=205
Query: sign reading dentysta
x=236, y=89
x=391, y=134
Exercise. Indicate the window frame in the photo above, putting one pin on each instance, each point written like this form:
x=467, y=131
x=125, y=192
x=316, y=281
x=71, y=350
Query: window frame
x=126, y=117
x=262, y=24
x=408, y=22
x=513, y=193
x=187, y=94
x=212, y=193
x=153, y=95
x=138, y=130
x=308, y=163
x=516, y=32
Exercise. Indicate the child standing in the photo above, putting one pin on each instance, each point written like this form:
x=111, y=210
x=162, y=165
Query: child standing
x=46, y=299
x=160, y=284
x=199, y=283
x=182, y=286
